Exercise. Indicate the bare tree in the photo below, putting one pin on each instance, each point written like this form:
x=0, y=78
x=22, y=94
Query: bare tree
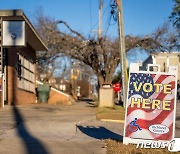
x=53, y=60
x=175, y=15
x=102, y=55
x=167, y=38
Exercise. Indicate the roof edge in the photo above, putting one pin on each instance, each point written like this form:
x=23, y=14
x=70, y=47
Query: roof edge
x=33, y=29
x=20, y=12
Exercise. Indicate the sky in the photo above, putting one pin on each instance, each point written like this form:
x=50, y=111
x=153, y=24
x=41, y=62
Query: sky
x=141, y=17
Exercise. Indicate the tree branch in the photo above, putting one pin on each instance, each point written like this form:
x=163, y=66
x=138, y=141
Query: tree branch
x=73, y=31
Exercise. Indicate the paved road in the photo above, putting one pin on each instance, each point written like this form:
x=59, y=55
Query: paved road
x=57, y=129
x=54, y=129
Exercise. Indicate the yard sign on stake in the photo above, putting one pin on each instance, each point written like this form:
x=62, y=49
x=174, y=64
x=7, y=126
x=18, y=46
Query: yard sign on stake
x=151, y=105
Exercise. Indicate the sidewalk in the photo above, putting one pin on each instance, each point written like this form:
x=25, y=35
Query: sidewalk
x=54, y=129
x=57, y=129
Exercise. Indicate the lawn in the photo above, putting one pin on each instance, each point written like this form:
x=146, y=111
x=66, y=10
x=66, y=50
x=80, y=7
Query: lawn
x=115, y=113
x=117, y=147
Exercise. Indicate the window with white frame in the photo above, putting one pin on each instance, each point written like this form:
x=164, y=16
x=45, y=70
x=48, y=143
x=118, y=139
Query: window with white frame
x=25, y=69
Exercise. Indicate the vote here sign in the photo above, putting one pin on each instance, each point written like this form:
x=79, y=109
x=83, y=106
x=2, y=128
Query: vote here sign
x=150, y=108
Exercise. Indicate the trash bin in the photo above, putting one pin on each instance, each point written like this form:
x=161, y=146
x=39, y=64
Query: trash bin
x=43, y=93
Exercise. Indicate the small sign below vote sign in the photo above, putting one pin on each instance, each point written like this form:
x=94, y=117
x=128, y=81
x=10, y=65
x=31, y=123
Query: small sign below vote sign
x=151, y=105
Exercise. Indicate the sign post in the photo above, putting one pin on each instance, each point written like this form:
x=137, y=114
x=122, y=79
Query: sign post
x=117, y=88
x=151, y=105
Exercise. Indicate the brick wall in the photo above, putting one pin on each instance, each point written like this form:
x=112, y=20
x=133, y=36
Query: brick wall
x=23, y=97
x=56, y=97
x=11, y=75
x=16, y=96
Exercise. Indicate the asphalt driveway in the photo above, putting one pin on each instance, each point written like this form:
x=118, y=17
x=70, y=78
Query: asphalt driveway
x=57, y=129
x=54, y=129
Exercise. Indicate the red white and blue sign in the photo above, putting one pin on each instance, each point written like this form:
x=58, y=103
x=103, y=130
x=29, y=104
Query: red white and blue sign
x=150, y=107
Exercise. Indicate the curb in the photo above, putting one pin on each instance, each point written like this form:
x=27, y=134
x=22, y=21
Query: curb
x=110, y=120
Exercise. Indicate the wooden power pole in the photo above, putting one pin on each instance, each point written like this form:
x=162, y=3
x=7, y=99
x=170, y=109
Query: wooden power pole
x=100, y=19
x=99, y=31
x=122, y=50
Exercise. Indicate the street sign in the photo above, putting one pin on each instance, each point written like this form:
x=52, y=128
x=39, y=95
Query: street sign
x=117, y=87
x=151, y=105
x=13, y=33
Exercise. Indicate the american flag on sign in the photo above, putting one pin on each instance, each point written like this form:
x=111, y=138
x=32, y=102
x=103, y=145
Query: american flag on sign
x=148, y=117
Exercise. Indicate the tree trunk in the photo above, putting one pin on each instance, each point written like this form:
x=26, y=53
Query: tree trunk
x=108, y=79
x=100, y=81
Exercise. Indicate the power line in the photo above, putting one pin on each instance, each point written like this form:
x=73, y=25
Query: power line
x=108, y=25
x=97, y=20
x=113, y=15
x=90, y=12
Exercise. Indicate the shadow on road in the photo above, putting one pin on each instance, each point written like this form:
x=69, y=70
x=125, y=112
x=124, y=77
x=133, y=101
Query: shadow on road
x=100, y=133
x=90, y=103
x=33, y=145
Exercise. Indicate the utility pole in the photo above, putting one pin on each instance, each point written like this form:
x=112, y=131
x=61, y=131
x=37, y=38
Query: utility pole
x=99, y=31
x=122, y=50
x=100, y=19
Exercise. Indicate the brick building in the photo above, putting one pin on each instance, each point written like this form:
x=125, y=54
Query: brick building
x=18, y=61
